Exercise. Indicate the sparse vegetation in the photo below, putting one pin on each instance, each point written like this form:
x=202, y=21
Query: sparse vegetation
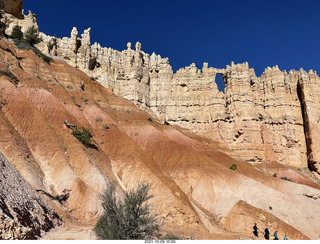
x=85, y=100
x=3, y=28
x=171, y=236
x=2, y=103
x=21, y=44
x=233, y=167
x=83, y=135
x=3, y=25
x=285, y=178
x=128, y=111
x=150, y=119
x=261, y=117
x=69, y=87
x=28, y=41
x=130, y=219
x=7, y=73
x=98, y=119
x=274, y=175
x=105, y=127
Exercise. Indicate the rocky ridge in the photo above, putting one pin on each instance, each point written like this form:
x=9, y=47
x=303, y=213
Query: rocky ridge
x=272, y=118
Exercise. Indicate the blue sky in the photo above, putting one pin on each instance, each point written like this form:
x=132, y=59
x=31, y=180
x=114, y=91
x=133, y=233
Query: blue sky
x=260, y=32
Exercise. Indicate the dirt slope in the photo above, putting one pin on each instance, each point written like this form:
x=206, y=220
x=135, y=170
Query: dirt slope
x=195, y=190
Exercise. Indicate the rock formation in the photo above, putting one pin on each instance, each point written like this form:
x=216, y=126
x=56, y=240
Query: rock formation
x=272, y=118
x=13, y=7
x=23, y=213
x=25, y=23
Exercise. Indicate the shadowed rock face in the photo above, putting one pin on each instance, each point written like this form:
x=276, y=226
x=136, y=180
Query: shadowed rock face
x=272, y=118
x=13, y=7
x=20, y=203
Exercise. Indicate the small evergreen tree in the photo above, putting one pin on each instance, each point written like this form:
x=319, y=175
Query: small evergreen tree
x=3, y=27
x=31, y=36
x=129, y=219
x=16, y=33
x=53, y=43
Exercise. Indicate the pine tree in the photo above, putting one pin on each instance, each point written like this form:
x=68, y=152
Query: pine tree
x=31, y=36
x=16, y=33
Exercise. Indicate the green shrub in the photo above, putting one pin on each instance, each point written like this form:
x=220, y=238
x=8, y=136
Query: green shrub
x=98, y=119
x=85, y=100
x=129, y=219
x=274, y=175
x=31, y=36
x=16, y=33
x=2, y=103
x=53, y=43
x=233, y=167
x=13, y=78
x=170, y=236
x=285, y=178
x=3, y=28
x=83, y=135
x=105, y=127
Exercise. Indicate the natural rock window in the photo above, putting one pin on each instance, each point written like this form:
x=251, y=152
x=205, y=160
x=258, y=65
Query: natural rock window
x=220, y=82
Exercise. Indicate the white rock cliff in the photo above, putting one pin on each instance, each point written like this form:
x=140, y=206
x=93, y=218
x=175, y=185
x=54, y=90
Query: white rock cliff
x=272, y=118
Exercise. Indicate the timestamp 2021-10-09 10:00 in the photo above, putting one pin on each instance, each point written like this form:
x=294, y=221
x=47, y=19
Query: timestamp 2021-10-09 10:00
x=159, y=241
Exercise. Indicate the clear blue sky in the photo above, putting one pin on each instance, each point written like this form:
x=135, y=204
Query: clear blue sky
x=261, y=32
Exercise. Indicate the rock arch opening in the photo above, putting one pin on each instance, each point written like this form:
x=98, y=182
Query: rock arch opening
x=220, y=82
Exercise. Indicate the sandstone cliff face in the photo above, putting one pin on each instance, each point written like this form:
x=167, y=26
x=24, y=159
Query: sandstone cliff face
x=271, y=118
x=13, y=7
